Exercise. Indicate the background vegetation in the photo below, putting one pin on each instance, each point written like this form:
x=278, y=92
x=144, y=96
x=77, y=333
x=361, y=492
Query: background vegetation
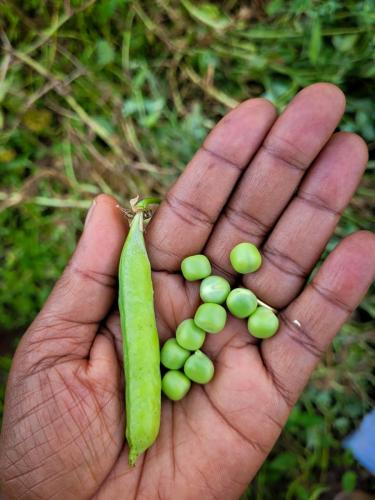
x=115, y=96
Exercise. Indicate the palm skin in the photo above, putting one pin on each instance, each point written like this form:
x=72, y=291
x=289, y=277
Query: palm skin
x=63, y=428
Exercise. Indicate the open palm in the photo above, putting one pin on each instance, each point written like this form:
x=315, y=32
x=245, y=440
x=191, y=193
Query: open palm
x=280, y=183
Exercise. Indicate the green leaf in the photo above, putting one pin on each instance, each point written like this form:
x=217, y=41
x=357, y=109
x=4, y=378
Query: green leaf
x=302, y=6
x=275, y=7
x=104, y=122
x=130, y=107
x=344, y=43
x=315, y=44
x=365, y=125
x=5, y=362
x=105, y=53
x=368, y=305
x=342, y=425
x=284, y=461
x=153, y=109
x=207, y=13
x=349, y=480
x=106, y=9
x=206, y=58
x=317, y=492
x=297, y=491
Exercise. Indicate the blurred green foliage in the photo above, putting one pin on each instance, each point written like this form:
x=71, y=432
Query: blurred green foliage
x=115, y=96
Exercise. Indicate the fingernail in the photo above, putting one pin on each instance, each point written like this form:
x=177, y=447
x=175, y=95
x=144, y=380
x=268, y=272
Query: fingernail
x=89, y=213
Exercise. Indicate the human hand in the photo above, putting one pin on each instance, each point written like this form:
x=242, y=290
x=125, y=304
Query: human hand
x=63, y=428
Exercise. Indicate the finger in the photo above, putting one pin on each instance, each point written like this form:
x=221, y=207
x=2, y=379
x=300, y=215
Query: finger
x=86, y=290
x=112, y=329
x=309, y=324
x=185, y=219
x=305, y=227
x=272, y=177
x=103, y=364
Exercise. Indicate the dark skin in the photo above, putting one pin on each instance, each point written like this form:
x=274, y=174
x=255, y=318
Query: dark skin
x=63, y=428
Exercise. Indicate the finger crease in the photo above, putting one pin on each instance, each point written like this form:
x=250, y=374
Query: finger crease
x=250, y=342
x=163, y=251
x=103, y=279
x=302, y=337
x=331, y=297
x=73, y=322
x=285, y=263
x=139, y=479
x=216, y=267
x=316, y=202
x=188, y=212
x=218, y=156
x=51, y=361
x=284, y=157
x=237, y=218
x=173, y=422
x=282, y=391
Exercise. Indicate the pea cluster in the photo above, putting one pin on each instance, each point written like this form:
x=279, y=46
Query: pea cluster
x=182, y=356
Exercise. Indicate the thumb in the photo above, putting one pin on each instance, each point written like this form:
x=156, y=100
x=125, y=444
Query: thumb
x=84, y=294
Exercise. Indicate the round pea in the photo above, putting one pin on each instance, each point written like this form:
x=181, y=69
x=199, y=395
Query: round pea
x=172, y=355
x=263, y=323
x=195, y=267
x=245, y=258
x=199, y=368
x=189, y=335
x=241, y=302
x=210, y=317
x=214, y=289
x=175, y=385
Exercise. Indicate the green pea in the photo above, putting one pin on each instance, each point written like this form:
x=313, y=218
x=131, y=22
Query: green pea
x=245, y=258
x=175, y=385
x=141, y=343
x=195, y=267
x=263, y=323
x=199, y=368
x=189, y=335
x=172, y=355
x=241, y=302
x=210, y=317
x=214, y=289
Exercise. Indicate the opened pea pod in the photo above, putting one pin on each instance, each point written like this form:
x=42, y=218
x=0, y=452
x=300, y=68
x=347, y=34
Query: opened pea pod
x=140, y=339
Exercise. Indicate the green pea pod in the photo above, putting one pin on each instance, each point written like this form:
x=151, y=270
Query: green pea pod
x=140, y=343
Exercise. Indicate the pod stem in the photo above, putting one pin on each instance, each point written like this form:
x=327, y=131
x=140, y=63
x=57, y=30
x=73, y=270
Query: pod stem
x=263, y=304
x=141, y=206
x=138, y=205
x=146, y=202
